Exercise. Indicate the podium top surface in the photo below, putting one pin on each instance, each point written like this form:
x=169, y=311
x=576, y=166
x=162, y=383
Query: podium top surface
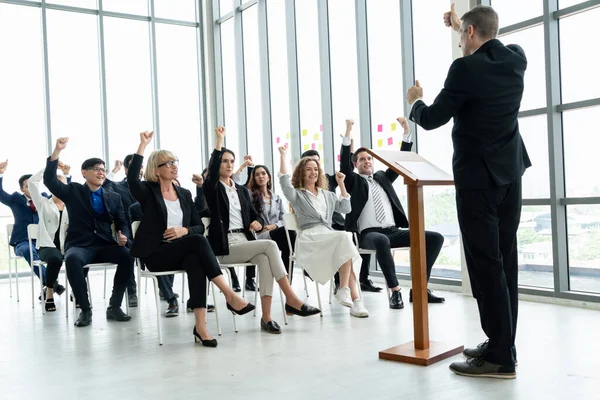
x=413, y=168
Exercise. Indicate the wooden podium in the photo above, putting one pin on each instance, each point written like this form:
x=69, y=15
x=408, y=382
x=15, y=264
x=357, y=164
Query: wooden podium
x=417, y=172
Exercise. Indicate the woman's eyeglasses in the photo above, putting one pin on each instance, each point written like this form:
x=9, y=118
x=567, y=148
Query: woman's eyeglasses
x=169, y=164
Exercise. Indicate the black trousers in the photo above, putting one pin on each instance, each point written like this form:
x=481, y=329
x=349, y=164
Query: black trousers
x=54, y=260
x=488, y=221
x=192, y=253
x=278, y=236
x=382, y=241
x=98, y=252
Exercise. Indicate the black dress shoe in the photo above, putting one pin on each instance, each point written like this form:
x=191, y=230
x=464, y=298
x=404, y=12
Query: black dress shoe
x=235, y=283
x=132, y=300
x=205, y=343
x=115, y=313
x=304, y=311
x=367, y=286
x=58, y=289
x=210, y=308
x=85, y=318
x=431, y=298
x=250, y=285
x=479, y=351
x=480, y=368
x=270, y=327
x=173, y=309
x=396, y=301
x=249, y=307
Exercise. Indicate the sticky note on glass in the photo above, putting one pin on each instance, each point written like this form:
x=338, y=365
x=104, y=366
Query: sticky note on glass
x=305, y=147
x=321, y=128
x=320, y=146
x=390, y=141
x=379, y=128
x=312, y=146
x=380, y=142
x=394, y=126
x=304, y=132
x=316, y=137
x=339, y=158
x=287, y=135
x=278, y=140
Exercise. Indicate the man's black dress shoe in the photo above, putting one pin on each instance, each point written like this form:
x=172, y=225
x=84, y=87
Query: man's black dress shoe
x=431, y=298
x=132, y=300
x=250, y=285
x=210, y=308
x=85, y=318
x=396, y=301
x=235, y=283
x=480, y=368
x=270, y=327
x=479, y=351
x=205, y=343
x=367, y=286
x=117, y=314
x=249, y=307
x=173, y=309
x=304, y=311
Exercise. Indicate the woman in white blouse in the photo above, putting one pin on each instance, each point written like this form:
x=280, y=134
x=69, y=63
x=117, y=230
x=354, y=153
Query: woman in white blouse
x=320, y=250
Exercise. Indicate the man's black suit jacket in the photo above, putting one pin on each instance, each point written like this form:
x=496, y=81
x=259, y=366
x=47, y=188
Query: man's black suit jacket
x=358, y=188
x=122, y=188
x=483, y=94
x=84, y=225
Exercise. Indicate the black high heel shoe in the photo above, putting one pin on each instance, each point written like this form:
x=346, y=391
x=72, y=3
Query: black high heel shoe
x=249, y=307
x=205, y=343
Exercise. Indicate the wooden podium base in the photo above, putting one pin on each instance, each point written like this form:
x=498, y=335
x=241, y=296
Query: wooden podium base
x=407, y=353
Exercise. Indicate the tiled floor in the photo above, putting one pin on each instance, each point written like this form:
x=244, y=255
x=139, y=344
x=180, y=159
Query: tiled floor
x=334, y=357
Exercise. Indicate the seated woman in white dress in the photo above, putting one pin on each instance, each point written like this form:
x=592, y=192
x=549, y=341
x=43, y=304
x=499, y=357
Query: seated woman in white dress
x=320, y=250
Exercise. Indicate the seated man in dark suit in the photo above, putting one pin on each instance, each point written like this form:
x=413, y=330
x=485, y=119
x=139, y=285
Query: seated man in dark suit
x=377, y=214
x=92, y=211
x=24, y=213
x=122, y=188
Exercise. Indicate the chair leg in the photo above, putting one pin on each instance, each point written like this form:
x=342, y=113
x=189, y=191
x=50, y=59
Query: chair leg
x=87, y=278
x=157, y=298
x=126, y=301
x=331, y=283
x=183, y=290
x=244, y=280
x=319, y=298
x=42, y=292
x=104, y=294
x=146, y=286
x=305, y=286
x=9, y=275
x=66, y=297
x=256, y=289
x=32, y=285
x=214, y=289
x=139, y=283
x=17, y=278
x=283, y=306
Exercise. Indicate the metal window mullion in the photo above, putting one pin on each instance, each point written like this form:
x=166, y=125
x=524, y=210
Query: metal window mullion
x=265, y=84
x=103, y=101
x=408, y=60
x=24, y=3
x=364, y=84
x=240, y=80
x=575, y=9
x=292, y=53
x=555, y=148
x=46, y=79
x=154, y=75
x=325, y=68
x=202, y=110
x=218, y=67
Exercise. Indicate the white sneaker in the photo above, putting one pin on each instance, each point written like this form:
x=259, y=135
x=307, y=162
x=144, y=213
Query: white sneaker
x=344, y=297
x=358, y=309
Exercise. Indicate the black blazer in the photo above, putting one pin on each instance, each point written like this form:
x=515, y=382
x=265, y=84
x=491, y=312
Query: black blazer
x=218, y=204
x=200, y=203
x=483, y=94
x=358, y=188
x=154, y=221
x=122, y=188
x=84, y=226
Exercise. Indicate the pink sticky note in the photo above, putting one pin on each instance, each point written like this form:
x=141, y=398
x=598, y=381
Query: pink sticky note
x=339, y=158
x=390, y=141
x=312, y=146
x=321, y=128
x=278, y=140
x=379, y=128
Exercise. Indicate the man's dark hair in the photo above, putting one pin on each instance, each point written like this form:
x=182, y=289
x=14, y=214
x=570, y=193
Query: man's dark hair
x=127, y=161
x=91, y=163
x=357, y=152
x=484, y=19
x=310, y=153
x=23, y=179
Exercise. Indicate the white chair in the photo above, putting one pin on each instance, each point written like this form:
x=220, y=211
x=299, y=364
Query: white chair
x=32, y=234
x=12, y=260
x=144, y=273
x=290, y=223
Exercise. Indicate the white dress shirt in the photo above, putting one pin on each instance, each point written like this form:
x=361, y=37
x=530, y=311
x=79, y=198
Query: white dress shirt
x=235, y=208
x=174, y=214
x=367, y=218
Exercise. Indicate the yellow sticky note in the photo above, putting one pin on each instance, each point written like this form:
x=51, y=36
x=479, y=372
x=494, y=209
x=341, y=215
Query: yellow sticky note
x=394, y=126
x=304, y=132
x=320, y=146
x=380, y=143
x=287, y=135
x=305, y=147
x=316, y=137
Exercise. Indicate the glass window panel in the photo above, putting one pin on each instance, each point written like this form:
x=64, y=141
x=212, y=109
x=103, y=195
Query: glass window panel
x=128, y=85
x=578, y=67
x=513, y=11
x=309, y=78
x=568, y=3
x=137, y=7
x=581, y=143
x=583, y=226
x=385, y=72
x=254, y=128
x=183, y=10
x=344, y=77
x=532, y=42
x=278, y=79
x=534, y=239
x=179, y=101
x=232, y=139
x=225, y=6
x=22, y=117
x=536, y=181
x=74, y=85
x=92, y=4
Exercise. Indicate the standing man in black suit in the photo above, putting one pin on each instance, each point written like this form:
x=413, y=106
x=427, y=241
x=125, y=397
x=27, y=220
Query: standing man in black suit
x=92, y=211
x=483, y=94
x=377, y=213
x=122, y=188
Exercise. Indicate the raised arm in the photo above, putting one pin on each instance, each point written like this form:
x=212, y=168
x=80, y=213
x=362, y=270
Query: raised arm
x=342, y=203
x=51, y=181
x=214, y=164
x=346, y=165
x=34, y=188
x=139, y=191
x=290, y=193
x=5, y=198
x=200, y=200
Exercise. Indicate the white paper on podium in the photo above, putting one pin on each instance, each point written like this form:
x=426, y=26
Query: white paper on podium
x=424, y=170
